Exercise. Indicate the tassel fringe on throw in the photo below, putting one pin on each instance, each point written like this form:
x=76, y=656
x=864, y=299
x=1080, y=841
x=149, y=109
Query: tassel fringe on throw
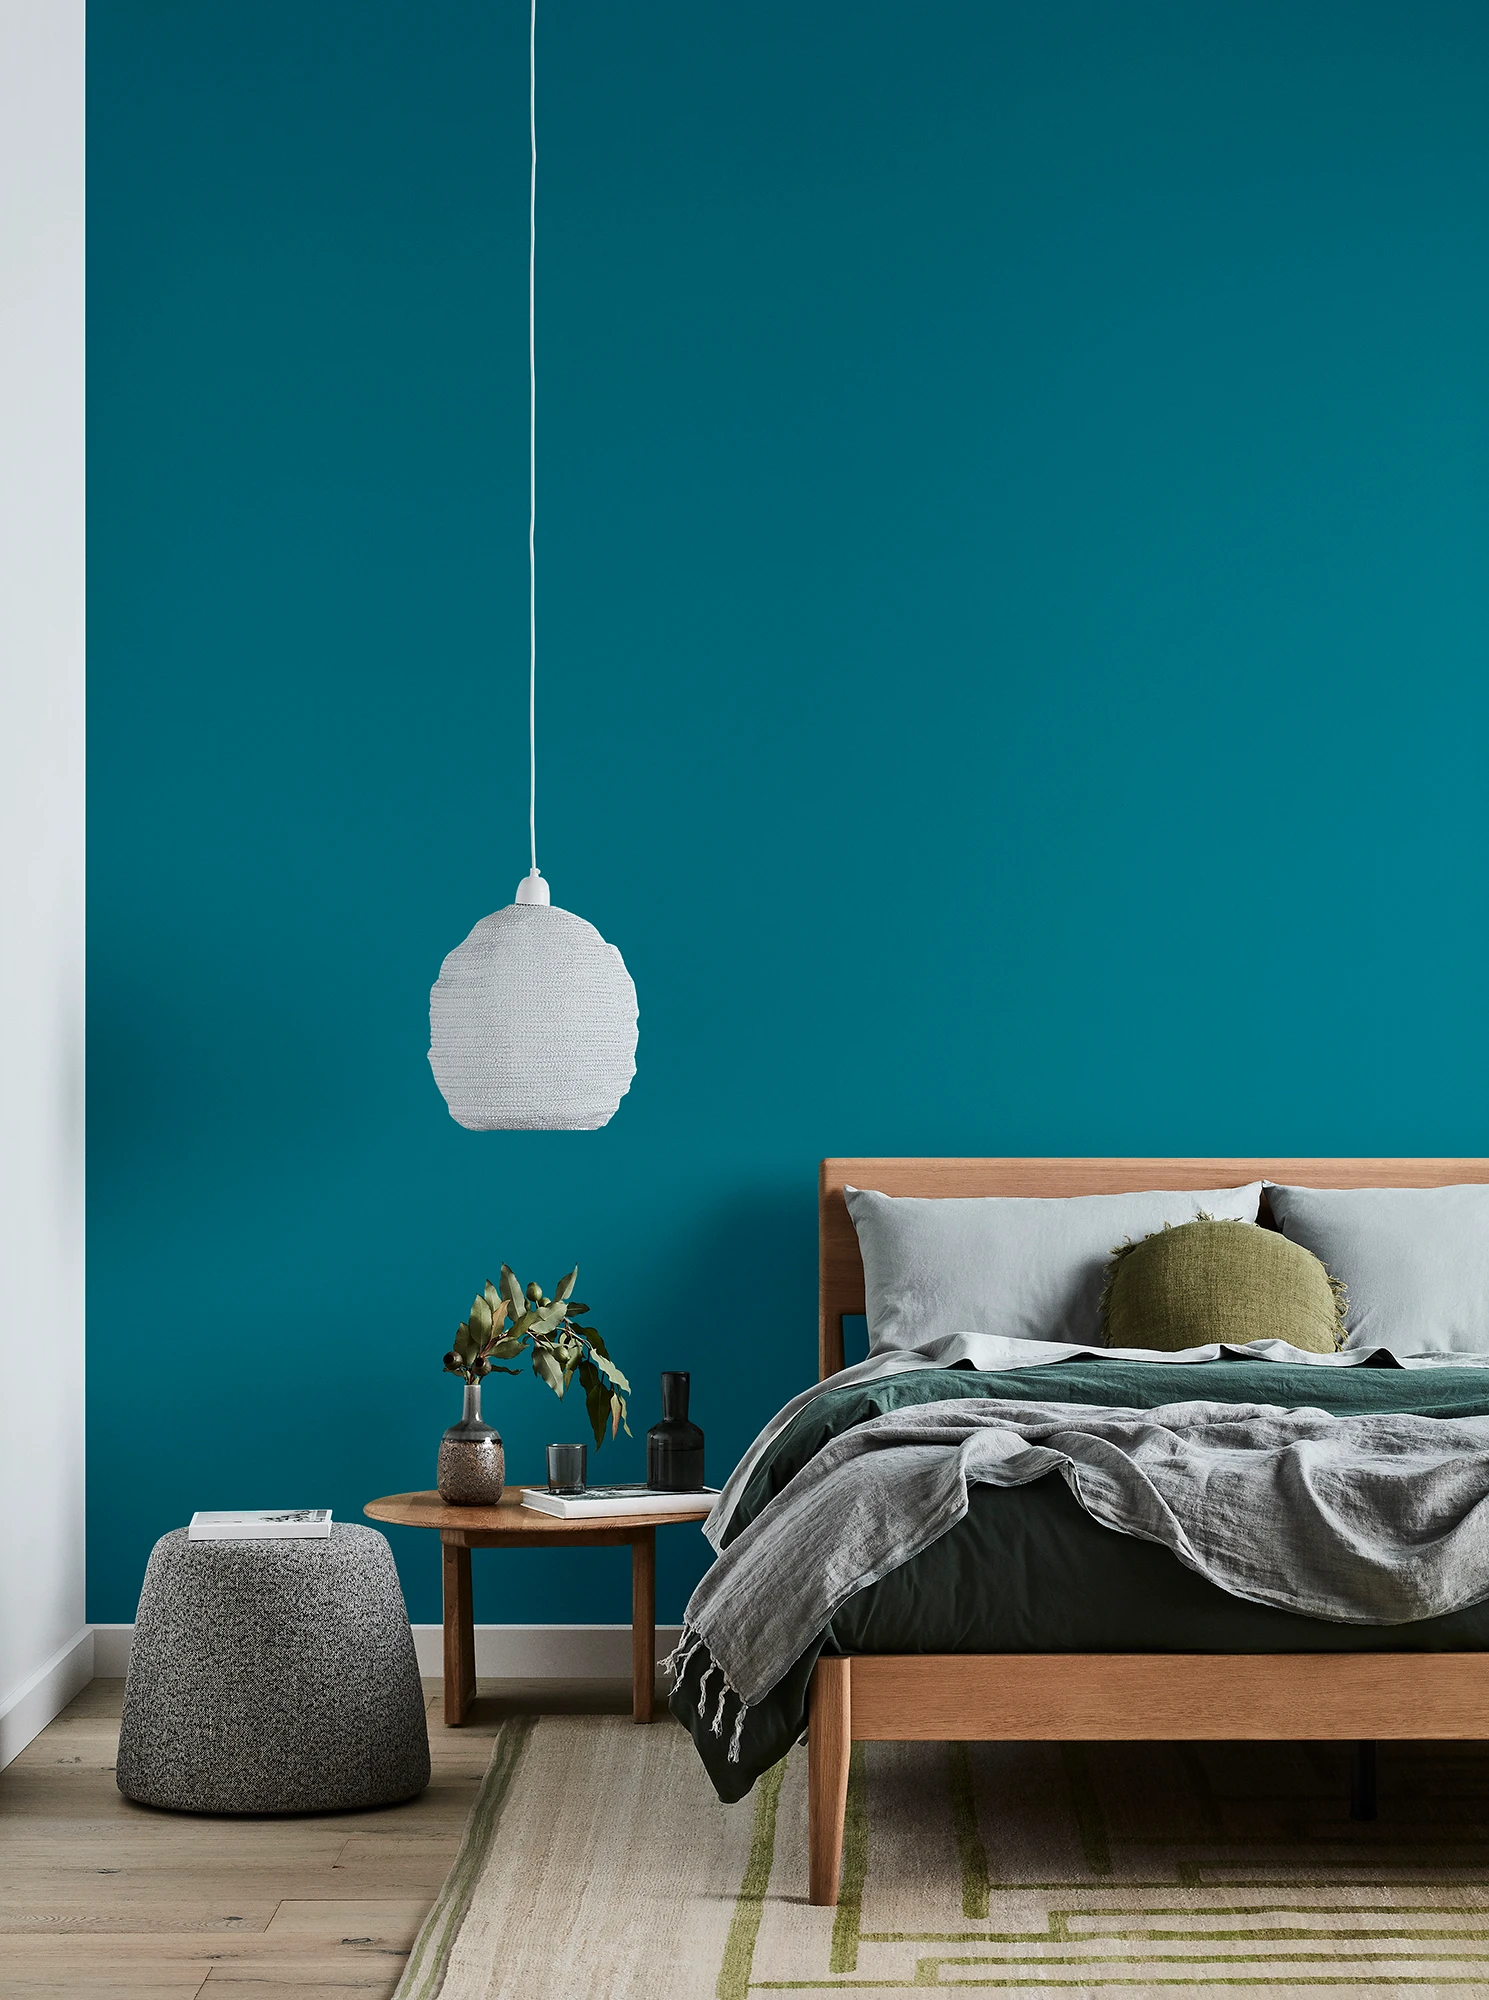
x=690, y=1643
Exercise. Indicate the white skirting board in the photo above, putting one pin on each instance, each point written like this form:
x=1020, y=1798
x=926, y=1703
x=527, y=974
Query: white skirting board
x=46, y=1693
x=506, y=1652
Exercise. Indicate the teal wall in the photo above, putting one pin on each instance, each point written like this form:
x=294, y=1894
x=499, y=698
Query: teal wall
x=1014, y=615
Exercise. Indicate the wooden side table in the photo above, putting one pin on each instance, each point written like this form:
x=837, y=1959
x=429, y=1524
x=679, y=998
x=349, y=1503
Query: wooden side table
x=510, y=1525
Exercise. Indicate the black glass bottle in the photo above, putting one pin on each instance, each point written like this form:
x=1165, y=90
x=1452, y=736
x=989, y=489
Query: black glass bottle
x=674, y=1447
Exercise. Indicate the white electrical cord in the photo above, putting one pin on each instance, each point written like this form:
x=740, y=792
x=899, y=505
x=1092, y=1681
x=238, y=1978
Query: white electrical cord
x=532, y=445
x=532, y=888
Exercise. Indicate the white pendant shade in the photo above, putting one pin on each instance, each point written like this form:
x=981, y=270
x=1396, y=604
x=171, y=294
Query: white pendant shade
x=532, y=1024
x=532, y=1021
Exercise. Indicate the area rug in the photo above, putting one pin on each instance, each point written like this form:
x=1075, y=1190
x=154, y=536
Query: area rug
x=598, y=1865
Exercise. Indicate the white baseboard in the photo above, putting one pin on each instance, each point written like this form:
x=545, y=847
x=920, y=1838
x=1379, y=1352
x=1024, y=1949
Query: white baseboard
x=509, y=1652
x=532, y=1652
x=44, y=1694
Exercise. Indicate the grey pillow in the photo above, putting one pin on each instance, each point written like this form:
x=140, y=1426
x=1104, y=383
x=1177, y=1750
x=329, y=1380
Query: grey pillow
x=1415, y=1261
x=1027, y=1267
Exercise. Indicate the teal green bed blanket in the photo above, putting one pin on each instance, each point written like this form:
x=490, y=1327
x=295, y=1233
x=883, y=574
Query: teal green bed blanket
x=1028, y=1570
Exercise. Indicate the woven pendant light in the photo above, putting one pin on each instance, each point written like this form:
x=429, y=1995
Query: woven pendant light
x=532, y=1021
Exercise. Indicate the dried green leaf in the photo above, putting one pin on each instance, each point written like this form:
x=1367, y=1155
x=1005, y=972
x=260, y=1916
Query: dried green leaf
x=611, y=1373
x=566, y=1287
x=512, y=1289
x=597, y=1403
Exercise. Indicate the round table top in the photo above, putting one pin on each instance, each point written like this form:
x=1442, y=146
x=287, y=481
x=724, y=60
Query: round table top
x=510, y=1517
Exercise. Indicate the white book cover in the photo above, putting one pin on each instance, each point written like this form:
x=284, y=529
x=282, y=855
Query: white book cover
x=596, y=1501
x=262, y=1524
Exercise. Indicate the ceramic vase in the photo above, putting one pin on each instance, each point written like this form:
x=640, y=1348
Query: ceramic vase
x=472, y=1464
x=674, y=1447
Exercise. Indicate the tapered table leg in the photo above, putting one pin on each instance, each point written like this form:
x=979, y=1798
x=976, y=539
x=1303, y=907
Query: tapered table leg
x=643, y=1624
x=460, y=1636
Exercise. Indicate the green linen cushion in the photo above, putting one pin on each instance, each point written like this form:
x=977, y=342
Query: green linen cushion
x=1210, y=1281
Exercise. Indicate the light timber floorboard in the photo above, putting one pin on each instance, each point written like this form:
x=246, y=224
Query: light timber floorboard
x=104, y=1900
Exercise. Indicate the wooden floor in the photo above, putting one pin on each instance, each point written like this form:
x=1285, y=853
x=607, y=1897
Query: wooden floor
x=100, y=1898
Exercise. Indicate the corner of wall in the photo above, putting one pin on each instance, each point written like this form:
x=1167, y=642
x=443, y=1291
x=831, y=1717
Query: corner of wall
x=45, y=1693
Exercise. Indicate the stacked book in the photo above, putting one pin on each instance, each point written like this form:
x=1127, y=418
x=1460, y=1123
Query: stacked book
x=595, y=1502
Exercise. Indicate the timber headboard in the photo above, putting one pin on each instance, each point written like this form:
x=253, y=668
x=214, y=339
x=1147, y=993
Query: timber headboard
x=840, y=1268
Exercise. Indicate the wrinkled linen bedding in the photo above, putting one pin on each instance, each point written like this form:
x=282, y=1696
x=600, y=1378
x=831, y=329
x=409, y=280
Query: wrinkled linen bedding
x=1356, y=1518
x=991, y=1354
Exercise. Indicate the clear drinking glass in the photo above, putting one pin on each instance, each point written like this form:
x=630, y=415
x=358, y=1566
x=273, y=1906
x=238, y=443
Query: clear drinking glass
x=566, y=1463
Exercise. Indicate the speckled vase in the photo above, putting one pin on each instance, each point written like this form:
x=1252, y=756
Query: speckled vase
x=472, y=1464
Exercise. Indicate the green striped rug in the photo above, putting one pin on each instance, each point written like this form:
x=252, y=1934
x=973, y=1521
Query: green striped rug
x=599, y=1866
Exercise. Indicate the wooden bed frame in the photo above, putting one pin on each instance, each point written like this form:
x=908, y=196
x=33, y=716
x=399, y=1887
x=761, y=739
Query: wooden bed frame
x=1067, y=1697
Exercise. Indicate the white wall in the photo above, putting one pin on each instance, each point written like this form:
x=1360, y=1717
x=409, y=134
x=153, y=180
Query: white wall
x=45, y=1648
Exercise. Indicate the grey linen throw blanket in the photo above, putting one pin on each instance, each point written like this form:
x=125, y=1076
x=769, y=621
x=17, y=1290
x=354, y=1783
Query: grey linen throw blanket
x=1368, y=1520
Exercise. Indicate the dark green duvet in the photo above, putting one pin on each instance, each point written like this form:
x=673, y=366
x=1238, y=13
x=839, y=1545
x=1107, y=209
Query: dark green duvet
x=1029, y=1571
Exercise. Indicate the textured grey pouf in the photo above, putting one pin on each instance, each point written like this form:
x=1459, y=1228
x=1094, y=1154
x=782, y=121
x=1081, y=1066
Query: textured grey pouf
x=272, y=1677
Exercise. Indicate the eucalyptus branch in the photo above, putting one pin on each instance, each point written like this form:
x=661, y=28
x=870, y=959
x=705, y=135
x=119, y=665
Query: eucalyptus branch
x=508, y=1318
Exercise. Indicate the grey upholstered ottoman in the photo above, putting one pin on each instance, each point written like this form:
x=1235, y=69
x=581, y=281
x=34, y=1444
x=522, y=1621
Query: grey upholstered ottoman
x=272, y=1677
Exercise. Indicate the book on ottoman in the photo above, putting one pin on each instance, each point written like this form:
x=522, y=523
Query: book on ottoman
x=262, y=1524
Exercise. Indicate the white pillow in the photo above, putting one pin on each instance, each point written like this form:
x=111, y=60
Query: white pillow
x=1415, y=1261
x=1026, y=1267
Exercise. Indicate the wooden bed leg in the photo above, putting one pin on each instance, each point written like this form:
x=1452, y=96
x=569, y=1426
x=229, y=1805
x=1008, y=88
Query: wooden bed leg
x=1362, y=1782
x=829, y=1741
